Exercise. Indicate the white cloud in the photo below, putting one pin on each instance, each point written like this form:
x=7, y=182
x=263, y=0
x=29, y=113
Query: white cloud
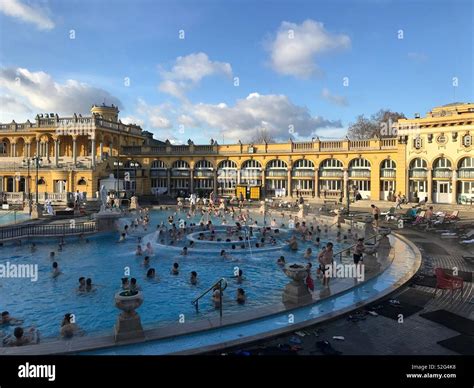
x=333, y=98
x=276, y=113
x=27, y=13
x=132, y=120
x=295, y=47
x=153, y=116
x=188, y=71
x=39, y=92
x=12, y=109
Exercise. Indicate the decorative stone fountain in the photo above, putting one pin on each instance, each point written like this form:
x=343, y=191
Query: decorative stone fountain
x=106, y=217
x=128, y=324
x=134, y=203
x=296, y=292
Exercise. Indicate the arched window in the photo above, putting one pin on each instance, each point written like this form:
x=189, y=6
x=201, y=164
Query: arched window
x=158, y=164
x=81, y=182
x=181, y=164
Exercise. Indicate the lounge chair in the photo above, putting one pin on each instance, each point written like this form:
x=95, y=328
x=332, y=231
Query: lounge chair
x=389, y=213
x=447, y=282
x=454, y=216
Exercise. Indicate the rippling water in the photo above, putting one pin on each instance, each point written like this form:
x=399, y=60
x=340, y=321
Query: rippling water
x=44, y=303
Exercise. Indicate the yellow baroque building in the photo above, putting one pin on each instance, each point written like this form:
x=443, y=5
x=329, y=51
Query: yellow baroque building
x=54, y=156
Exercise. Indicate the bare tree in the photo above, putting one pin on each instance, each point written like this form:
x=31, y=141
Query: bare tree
x=262, y=136
x=367, y=128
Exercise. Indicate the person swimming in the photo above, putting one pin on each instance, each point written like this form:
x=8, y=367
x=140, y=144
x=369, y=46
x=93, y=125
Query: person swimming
x=317, y=242
x=122, y=238
x=146, y=261
x=89, y=287
x=134, y=287
x=33, y=248
x=125, y=284
x=150, y=274
x=281, y=261
x=184, y=252
x=56, y=271
x=241, y=298
x=308, y=253
x=149, y=249
x=69, y=328
x=82, y=284
x=193, y=279
x=52, y=255
x=217, y=295
x=293, y=244
x=224, y=254
x=6, y=319
x=139, y=251
x=239, y=277
x=20, y=338
x=175, y=269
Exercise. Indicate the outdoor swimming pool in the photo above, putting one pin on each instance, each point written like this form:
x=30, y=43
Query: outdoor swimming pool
x=43, y=303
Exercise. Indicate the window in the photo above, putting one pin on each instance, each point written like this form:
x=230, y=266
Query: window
x=304, y=163
x=442, y=163
x=82, y=182
x=330, y=185
x=360, y=163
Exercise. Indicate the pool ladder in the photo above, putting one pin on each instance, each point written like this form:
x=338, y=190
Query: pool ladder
x=221, y=285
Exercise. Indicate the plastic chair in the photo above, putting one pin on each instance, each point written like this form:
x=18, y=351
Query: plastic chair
x=448, y=282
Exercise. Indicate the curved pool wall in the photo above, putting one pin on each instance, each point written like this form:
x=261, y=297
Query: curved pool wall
x=397, y=273
x=211, y=334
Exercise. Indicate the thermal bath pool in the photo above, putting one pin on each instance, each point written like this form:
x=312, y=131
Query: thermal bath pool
x=43, y=303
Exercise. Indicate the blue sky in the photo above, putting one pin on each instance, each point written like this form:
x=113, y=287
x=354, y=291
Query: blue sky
x=291, y=59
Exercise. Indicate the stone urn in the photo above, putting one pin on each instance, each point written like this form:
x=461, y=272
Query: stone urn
x=128, y=324
x=296, y=292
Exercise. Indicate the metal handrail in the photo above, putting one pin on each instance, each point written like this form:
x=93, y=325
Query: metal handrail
x=21, y=231
x=219, y=283
x=352, y=246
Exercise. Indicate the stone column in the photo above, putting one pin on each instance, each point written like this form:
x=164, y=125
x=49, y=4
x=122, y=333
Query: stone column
x=214, y=182
x=454, y=187
x=101, y=151
x=345, y=184
x=168, y=180
x=14, y=150
x=238, y=177
x=38, y=153
x=46, y=145
x=56, y=152
x=316, y=183
x=289, y=192
x=74, y=149
x=264, y=188
x=430, y=185
x=191, y=179
x=93, y=154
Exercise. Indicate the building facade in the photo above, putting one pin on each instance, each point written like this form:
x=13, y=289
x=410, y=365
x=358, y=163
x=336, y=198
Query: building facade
x=440, y=154
x=428, y=157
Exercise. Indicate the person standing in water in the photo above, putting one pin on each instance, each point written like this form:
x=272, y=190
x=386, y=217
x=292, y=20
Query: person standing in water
x=325, y=259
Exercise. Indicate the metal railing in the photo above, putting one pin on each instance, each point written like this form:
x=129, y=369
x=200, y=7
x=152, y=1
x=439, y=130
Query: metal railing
x=31, y=230
x=221, y=285
x=352, y=246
